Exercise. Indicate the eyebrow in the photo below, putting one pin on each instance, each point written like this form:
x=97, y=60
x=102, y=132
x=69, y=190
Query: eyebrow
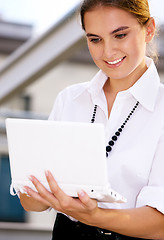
x=120, y=29
x=113, y=32
x=91, y=35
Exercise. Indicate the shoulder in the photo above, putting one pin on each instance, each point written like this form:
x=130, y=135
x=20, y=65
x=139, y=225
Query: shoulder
x=73, y=91
x=65, y=98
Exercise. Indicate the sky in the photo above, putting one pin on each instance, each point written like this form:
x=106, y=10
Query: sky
x=40, y=13
x=44, y=13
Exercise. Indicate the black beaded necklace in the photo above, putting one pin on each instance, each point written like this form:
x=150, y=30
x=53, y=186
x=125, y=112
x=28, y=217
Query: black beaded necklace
x=118, y=132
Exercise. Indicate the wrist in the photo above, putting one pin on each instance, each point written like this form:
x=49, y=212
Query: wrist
x=105, y=219
x=96, y=217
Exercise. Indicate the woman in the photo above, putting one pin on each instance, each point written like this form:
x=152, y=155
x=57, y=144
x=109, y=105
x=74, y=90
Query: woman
x=127, y=97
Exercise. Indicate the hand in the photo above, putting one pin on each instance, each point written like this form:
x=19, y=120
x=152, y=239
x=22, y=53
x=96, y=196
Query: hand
x=82, y=209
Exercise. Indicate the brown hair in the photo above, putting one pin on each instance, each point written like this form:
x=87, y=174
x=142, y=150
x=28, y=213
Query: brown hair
x=139, y=8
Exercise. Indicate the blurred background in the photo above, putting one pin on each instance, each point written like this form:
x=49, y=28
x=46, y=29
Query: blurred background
x=42, y=50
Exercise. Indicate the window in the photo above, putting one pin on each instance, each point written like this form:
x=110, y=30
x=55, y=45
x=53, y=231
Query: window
x=10, y=207
x=27, y=102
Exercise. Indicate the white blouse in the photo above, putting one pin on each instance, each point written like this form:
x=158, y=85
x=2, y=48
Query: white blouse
x=136, y=163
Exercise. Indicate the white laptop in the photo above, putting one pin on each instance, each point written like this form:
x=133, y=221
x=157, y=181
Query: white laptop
x=74, y=153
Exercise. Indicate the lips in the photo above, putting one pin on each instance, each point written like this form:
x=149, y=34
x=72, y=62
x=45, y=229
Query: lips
x=115, y=62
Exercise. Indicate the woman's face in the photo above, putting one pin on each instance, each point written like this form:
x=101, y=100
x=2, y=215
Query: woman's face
x=116, y=41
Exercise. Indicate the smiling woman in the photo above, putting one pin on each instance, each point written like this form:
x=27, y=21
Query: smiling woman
x=118, y=48
x=127, y=98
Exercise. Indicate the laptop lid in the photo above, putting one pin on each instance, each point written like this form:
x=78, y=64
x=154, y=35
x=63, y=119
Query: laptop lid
x=74, y=152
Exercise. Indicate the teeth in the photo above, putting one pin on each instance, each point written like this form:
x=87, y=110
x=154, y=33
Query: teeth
x=115, y=62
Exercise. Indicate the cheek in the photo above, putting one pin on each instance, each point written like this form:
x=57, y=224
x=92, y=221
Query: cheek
x=96, y=52
x=136, y=47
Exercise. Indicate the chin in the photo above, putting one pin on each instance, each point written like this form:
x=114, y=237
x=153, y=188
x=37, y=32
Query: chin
x=117, y=76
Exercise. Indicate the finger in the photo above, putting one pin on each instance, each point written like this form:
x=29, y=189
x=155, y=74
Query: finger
x=66, y=202
x=36, y=196
x=43, y=192
x=89, y=203
x=55, y=189
x=39, y=187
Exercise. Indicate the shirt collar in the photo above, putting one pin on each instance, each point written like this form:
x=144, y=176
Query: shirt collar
x=94, y=87
x=145, y=90
x=97, y=83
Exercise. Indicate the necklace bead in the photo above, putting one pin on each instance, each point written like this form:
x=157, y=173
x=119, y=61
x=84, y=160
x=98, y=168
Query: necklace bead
x=111, y=143
x=114, y=138
x=108, y=149
x=118, y=132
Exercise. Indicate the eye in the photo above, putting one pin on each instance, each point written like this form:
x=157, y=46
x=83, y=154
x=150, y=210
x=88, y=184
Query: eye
x=95, y=40
x=121, y=36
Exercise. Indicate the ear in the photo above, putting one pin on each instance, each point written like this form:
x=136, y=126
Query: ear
x=150, y=30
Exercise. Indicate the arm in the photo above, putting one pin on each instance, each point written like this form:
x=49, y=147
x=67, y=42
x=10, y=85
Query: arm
x=144, y=222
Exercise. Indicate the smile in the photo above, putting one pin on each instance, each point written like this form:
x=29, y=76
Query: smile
x=116, y=61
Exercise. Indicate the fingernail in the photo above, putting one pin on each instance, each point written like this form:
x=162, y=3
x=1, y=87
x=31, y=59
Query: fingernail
x=82, y=193
x=47, y=173
x=25, y=191
x=31, y=178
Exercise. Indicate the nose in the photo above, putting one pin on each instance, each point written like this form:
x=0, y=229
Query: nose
x=109, y=49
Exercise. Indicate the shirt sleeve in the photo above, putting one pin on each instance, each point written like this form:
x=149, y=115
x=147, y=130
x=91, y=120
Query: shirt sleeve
x=153, y=194
x=57, y=109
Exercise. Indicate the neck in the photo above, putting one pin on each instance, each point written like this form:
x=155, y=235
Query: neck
x=114, y=86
